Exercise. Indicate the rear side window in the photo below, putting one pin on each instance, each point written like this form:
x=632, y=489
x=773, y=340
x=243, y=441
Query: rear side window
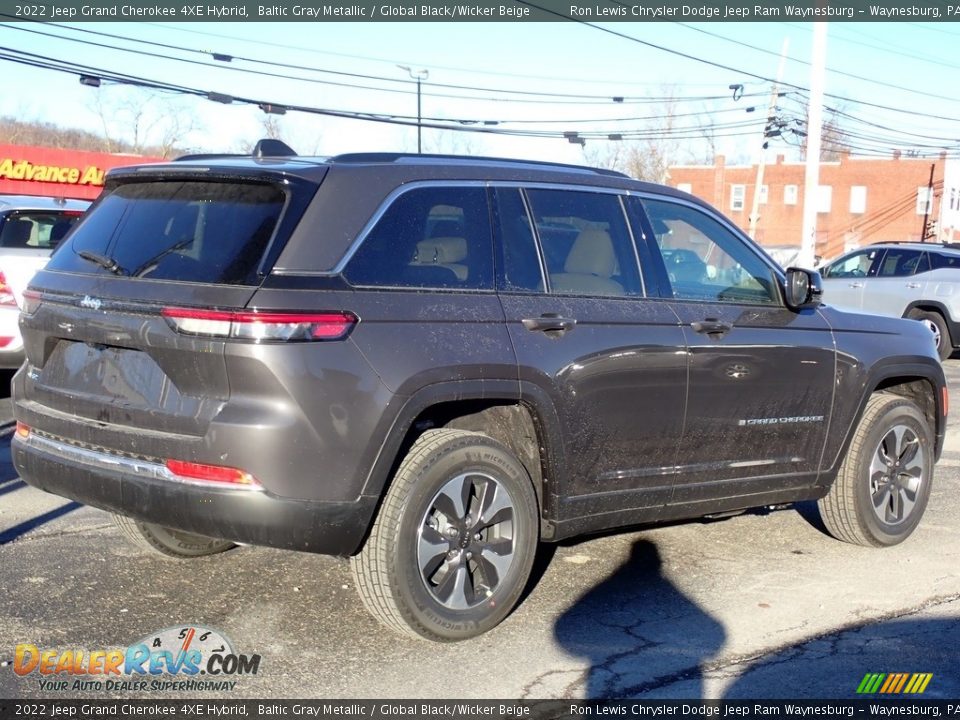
x=191, y=231
x=586, y=243
x=429, y=237
x=37, y=229
x=944, y=261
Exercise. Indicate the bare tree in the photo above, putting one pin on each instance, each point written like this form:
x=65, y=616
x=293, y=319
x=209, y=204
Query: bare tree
x=142, y=121
x=657, y=147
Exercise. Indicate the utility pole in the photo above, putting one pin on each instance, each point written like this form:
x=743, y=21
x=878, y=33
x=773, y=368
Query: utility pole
x=927, y=205
x=419, y=76
x=808, y=233
x=755, y=210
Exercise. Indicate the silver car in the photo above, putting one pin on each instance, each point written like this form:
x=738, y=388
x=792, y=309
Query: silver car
x=30, y=228
x=913, y=280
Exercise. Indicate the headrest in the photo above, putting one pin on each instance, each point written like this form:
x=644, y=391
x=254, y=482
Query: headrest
x=17, y=233
x=442, y=251
x=592, y=254
x=446, y=228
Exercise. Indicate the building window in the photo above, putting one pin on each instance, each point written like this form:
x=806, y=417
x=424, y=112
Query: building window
x=924, y=200
x=858, y=199
x=824, y=196
x=737, y=195
x=764, y=194
x=789, y=194
x=685, y=187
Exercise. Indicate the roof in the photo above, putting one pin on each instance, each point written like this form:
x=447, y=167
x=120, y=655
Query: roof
x=36, y=202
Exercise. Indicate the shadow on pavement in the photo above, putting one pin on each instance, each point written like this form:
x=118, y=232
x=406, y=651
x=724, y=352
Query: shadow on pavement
x=833, y=666
x=638, y=633
x=26, y=526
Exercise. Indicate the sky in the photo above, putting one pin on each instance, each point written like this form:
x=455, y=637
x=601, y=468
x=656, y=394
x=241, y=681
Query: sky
x=894, y=81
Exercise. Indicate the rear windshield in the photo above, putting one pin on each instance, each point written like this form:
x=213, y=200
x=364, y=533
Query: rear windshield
x=40, y=229
x=191, y=231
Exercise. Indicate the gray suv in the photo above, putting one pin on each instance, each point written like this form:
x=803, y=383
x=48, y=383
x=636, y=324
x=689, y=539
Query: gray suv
x=913, y=280
x=432, y=364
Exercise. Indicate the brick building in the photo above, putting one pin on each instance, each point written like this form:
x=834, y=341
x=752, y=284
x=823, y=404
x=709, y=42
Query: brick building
x=860, y=200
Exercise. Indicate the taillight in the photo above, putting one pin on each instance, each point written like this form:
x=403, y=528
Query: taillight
x=31, y=301
x=213, y=474
x=23, y=430
x=7, y=298
x=261, y=326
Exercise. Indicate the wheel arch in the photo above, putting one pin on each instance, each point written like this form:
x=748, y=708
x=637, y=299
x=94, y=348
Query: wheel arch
x=918, y=382
x=523, y=420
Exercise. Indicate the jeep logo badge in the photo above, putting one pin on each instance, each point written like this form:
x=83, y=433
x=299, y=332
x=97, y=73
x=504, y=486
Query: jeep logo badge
x=89, y=302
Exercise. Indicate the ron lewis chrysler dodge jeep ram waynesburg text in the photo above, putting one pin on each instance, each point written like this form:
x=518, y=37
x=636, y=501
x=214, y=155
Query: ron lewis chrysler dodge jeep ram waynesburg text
x=431, y=364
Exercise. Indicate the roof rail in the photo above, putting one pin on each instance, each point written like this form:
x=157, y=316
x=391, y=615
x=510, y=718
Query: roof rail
x=265, y=147
x=386, y=157
x=950, y=245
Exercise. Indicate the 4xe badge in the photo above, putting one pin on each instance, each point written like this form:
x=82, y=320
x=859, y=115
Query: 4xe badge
x=186, y=658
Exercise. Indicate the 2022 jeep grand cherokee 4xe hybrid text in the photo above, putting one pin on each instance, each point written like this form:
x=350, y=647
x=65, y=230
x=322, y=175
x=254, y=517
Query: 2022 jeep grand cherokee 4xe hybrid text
x=431, y=364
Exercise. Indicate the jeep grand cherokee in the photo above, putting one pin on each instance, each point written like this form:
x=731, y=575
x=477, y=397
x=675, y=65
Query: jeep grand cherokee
x=431, y=364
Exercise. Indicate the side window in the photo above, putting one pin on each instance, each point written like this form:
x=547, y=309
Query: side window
x=899, y=262
x=35, y=229
x=705, y=260
x=518, y=263
x=430, y=237
x=854, y=265
x=939, y=260
x=586, y=243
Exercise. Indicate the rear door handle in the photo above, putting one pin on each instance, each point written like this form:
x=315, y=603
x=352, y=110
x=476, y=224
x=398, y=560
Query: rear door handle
x=550, y=323
x=711, y=327
x=913, y=285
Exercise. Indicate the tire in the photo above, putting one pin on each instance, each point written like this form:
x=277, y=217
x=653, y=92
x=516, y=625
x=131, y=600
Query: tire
x=869, y=505
x=171, y=544
x=437, y=565
x=938, y=326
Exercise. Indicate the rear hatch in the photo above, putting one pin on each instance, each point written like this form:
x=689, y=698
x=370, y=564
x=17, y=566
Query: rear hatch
x=107, y=324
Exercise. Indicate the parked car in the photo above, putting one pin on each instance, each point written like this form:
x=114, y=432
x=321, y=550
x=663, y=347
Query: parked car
x=30, y=227
x=913, y=280
x=431, y=364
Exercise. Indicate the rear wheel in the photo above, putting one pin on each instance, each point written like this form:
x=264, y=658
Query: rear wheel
x=173, y=544
x=938, y=326
x=884, y=482
x=453, y=544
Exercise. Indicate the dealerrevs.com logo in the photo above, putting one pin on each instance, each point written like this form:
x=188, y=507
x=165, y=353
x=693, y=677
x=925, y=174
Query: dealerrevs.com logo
x=187, y=658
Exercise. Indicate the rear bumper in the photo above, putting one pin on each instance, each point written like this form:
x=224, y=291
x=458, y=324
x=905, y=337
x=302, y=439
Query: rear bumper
x=145, y=491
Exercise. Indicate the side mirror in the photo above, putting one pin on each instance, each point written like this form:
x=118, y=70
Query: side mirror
x=802, y=288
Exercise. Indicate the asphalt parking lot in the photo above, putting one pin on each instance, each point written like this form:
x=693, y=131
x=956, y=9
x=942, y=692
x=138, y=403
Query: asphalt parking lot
x=764, y=605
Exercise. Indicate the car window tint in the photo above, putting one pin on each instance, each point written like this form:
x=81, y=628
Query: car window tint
x=899, y=262
x=38, y=229
x=586, y=243
x=705, y=260
x=191, y=231
x=518, y=266
x=430, y=237
x=856, y=264
x=941, y=260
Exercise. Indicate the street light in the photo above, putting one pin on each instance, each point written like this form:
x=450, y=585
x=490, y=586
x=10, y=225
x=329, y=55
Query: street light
x=419, y=76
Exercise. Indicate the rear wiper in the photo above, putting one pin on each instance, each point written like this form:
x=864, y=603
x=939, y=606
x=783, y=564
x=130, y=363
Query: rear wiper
x=103, y=261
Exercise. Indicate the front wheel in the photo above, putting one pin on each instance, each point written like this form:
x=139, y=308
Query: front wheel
x=453, y=544
x=884, y=482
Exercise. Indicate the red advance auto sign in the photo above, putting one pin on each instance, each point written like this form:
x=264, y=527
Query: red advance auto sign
x=26, y=170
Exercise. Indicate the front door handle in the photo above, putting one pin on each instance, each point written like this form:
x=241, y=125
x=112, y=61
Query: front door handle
x=711, y=327
x=550, y=323
x=856, y=284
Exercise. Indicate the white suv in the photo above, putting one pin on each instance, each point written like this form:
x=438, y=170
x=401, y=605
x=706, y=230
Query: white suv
x=914, y=280
x=30, y=228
